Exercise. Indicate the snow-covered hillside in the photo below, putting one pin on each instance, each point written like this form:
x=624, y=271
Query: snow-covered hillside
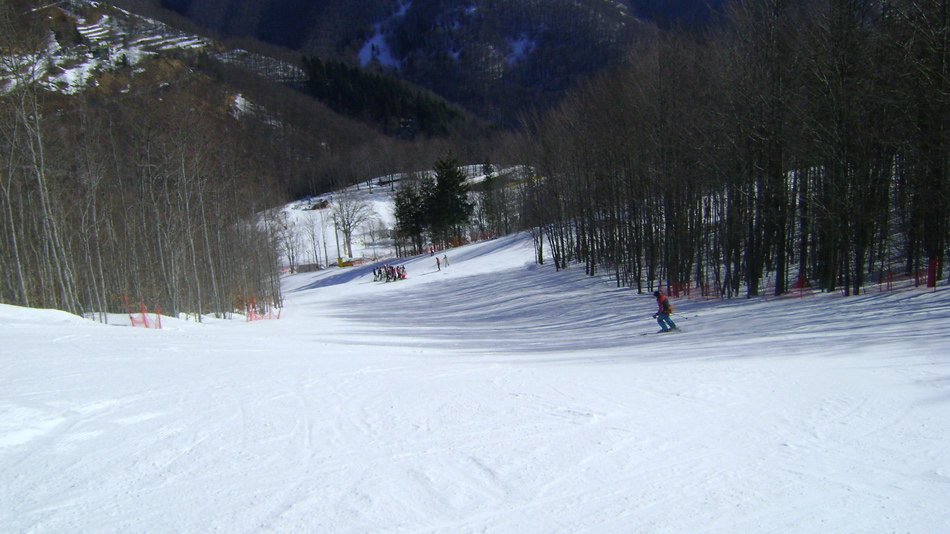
x=114, y=38
x=309, y=222
x=493, y=395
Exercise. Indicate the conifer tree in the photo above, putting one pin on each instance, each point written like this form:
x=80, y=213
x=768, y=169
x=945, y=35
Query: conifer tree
x=410, y=216
x=450, y=207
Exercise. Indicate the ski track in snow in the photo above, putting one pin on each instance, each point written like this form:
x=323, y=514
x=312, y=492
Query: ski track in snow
x=492, y=396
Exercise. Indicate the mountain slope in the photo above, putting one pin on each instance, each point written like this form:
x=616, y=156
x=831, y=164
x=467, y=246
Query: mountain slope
x=98, y=49
x=494, y=57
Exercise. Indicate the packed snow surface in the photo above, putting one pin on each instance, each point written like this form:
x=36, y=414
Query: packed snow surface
x=494, y=395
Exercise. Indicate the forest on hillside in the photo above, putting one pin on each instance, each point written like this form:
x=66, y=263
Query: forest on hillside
x=794, y=142
x=119, y=201
x=789, y=143
x=380, y=100
x=324, y=27
x=155, y=182
x=499, y=58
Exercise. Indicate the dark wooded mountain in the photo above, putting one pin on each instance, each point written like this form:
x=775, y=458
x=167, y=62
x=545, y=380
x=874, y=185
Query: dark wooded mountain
x=677, y=13
x=495, y=57
x=295, y=24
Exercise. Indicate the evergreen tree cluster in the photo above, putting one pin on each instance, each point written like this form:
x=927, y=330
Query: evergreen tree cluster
x=434, y=206
x=378, y=99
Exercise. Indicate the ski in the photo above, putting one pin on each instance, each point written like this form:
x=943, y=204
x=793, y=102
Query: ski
x=672, y=331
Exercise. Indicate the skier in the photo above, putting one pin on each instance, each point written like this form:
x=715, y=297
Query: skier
x=662, y=315
x=438, y=263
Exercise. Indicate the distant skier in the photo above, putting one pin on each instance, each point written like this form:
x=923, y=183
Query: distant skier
x=438, y=264
x=445, y=260
x=662, y=315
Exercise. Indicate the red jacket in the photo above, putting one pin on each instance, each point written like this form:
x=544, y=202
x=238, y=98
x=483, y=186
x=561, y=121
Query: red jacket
x=666, y=307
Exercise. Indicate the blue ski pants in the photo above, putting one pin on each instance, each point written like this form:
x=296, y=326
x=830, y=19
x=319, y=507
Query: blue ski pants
x=665, y=322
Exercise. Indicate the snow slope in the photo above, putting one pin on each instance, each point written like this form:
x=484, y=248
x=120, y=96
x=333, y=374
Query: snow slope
x=494, y=395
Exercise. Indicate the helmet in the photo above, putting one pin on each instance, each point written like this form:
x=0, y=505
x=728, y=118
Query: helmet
x=656, y=294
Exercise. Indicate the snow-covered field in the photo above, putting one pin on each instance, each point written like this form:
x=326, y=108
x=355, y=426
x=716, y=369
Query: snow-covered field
x=494, y=395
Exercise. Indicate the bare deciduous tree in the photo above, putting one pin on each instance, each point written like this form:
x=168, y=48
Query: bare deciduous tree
x=350, y=212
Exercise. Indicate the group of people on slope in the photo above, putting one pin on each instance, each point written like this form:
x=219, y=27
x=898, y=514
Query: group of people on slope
x=389, y=273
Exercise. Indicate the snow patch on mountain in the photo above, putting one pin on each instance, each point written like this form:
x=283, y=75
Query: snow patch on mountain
x=377, y=48
x=120, y=39
x=521, y=47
